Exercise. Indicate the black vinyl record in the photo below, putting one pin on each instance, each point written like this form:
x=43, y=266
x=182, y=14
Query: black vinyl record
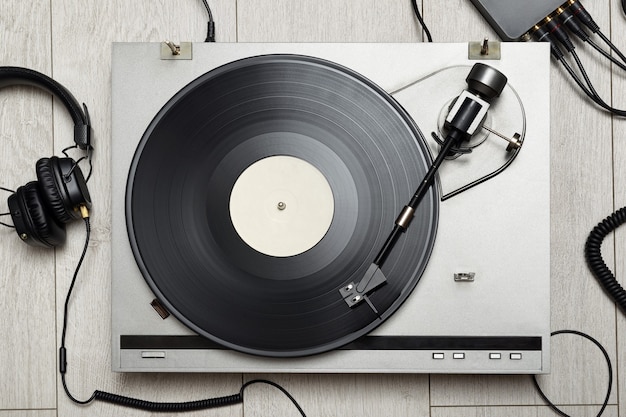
x=368, y=149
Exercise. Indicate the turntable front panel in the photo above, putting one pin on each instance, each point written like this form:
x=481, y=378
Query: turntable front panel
x=498, y=231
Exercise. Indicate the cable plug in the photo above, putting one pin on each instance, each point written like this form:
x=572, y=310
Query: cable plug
x=566, y=17
x=542, y=35
x=210, y=34
x=583, y=15
x=559, y=33
x=84, y=211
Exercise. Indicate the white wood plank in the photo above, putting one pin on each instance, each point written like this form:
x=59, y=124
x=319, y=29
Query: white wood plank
x=456, y=21
x=326, y=21
x=340, y=395
x=618, y=36
x=27, y=354
x=544, y=411
x=29, y=413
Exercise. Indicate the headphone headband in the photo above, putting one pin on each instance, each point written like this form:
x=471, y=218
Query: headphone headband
x=23, y=76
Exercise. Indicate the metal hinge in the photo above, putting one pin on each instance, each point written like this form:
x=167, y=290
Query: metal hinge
x=484, y=50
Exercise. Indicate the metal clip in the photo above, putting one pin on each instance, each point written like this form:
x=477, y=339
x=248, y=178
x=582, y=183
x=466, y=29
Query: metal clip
x=484, y=50
x=173, y=47
x=354, y=294
x=464, y=276
x=169, y=50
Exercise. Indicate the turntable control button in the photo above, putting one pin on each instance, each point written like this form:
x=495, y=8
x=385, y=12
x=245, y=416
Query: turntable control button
x=458, y=355
x=438, y=355
x=151, y=354
x=495, y=356
x=516, y=356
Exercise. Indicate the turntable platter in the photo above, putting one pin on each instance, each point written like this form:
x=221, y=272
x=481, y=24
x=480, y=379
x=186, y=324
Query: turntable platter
x=333, y=148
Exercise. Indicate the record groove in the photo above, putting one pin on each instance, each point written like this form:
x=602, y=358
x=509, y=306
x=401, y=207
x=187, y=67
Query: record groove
x=177, y=203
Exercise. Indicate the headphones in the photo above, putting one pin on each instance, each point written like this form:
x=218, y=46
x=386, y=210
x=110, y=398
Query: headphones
x=41, y=209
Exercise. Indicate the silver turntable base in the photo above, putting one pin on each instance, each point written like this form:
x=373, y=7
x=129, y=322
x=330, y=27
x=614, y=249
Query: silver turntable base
x=483, y=303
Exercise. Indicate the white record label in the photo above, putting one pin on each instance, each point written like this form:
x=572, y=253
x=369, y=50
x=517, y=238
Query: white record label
x=281, y=206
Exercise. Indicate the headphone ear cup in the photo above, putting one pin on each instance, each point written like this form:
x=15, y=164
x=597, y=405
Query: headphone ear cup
x=32, y=222
x=63, y=187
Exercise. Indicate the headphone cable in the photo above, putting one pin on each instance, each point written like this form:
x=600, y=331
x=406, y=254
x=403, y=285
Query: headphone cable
x=210, y=37
x=133, y=402
x=608, y=363
x=418, y=15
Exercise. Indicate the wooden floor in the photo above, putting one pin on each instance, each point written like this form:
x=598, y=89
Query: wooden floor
x=71, y=40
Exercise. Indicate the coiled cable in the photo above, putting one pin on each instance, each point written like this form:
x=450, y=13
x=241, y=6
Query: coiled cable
x=595, y=261
x=134, y=402
x=172, y=407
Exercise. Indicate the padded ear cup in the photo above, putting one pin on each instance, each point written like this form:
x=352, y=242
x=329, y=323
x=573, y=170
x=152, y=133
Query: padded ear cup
x=63, y=187
x=32, y=221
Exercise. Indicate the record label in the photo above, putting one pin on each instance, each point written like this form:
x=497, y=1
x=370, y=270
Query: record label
x=281, y=206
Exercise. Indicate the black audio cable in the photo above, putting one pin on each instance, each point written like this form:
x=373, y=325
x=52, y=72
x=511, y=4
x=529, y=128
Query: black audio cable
x=567, y=18
x=596, y=264
x=556, y=31
x=6, y=214
x=589, y=93
x=608, y=363
x=210, y=36
x=134, y=402
x=606, y=278
x=6, y=224
x=606, y=54
x=551, y=31
x=584, y=17
x=418, y=15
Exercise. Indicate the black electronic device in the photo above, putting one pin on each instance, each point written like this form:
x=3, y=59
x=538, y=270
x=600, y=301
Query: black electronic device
x=512, y=19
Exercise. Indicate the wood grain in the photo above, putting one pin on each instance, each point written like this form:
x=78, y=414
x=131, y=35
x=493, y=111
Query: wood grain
x=578, y=411
x=325, y=21
x=618, y=35
x=71, y=40
x=344, y=395
x=29, y=413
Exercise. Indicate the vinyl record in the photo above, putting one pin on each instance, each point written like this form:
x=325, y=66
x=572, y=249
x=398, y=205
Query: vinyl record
x=261, y=126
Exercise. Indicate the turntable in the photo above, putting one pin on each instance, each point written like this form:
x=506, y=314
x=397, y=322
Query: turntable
x=253, y=184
